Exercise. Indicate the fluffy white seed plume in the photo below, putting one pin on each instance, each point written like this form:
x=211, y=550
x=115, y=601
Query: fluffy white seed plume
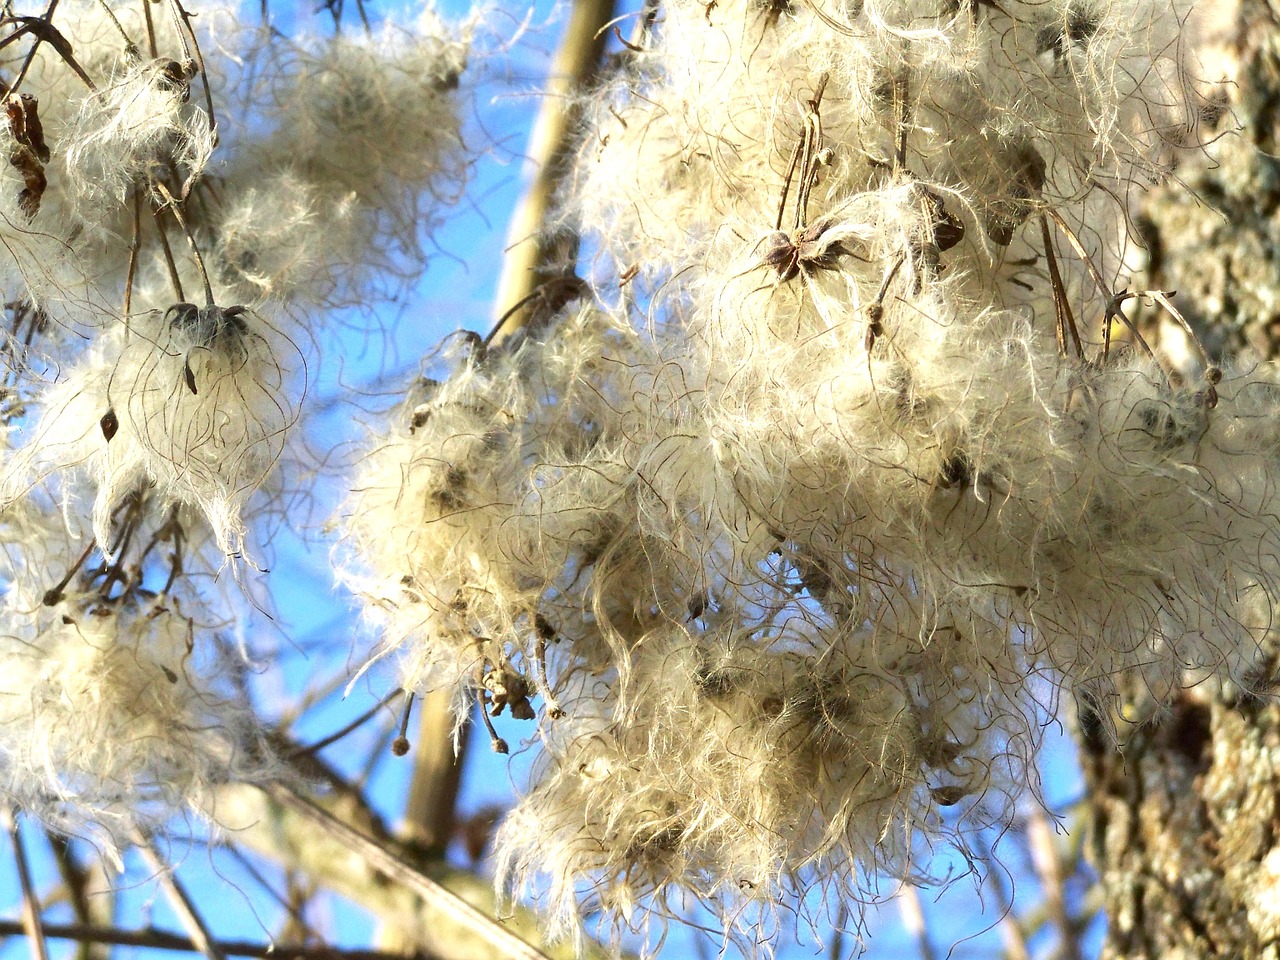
x=109, y=723
x=196, y=401
x=136, y=125
x=364, y=148
x=789, y=540
x=115, y=710
x=751, y=772
x=174, y=152
x=79, y=154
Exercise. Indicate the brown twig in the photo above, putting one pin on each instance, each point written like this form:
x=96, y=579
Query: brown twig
x=164, y=940
x=181, y=902
x=1111, y=309
x=176, y=210
x=532, y=257
x=350, y=727
x=31, y=923
x=505, y=943
x=182, y=23
x=1066, y=322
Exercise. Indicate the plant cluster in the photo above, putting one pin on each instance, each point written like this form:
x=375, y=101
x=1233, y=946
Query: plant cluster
x=845, y=468
x=184, y=199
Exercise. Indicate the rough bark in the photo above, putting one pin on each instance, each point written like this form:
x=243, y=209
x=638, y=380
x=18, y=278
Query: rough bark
x=1185, y=830
x=1186, y=809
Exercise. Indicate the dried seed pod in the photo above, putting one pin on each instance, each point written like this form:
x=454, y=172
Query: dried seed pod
x=109, y=424
x=29, y=152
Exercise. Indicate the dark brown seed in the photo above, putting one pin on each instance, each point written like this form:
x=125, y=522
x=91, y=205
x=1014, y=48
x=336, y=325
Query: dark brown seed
x=109, y=425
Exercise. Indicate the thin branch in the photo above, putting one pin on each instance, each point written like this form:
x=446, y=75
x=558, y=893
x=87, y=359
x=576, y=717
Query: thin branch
x=1066, y=322
x=47, y=17
x=182, y=23
x=350, y=727
x=164, y=940
x=437, y=774
x=1111, y=308
x=504, y=943
x=182, y=904
x=912, y=913
x=533, y=257
x=1011, y=931
x=531, y=261
x=31, y=923
x=174, y=208
x=291, y=840
x=1048, y=867
x=88, y=891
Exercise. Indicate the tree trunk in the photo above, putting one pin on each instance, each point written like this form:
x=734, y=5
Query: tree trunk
x=1186, y=809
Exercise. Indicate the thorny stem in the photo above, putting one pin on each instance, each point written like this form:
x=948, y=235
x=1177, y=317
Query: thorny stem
x=31, y=922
